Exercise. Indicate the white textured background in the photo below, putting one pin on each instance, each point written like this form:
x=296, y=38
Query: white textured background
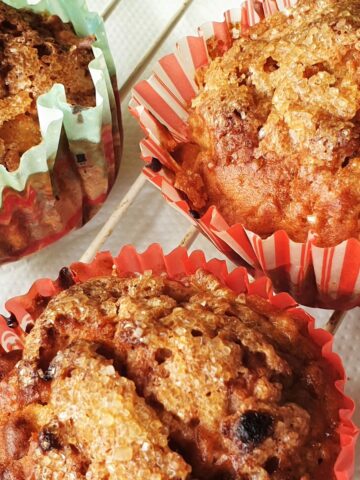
x=134, y=27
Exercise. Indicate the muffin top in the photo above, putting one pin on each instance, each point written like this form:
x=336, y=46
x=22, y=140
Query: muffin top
x=150, y=378
x=36, y=51
x=275, y=127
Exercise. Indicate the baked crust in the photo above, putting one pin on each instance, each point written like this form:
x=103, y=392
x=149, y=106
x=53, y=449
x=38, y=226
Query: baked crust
x=276, y=126
x=36, y=51
x=147, y=378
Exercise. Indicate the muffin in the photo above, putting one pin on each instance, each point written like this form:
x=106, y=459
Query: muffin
x=276, y=124
x=252, y=133
x=37, y=51
x=59, y=128
x=147, y=377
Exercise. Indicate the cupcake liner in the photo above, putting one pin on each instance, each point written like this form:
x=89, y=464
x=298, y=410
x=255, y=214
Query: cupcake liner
x=317, y=277
x=24, y=310
x=61, y=183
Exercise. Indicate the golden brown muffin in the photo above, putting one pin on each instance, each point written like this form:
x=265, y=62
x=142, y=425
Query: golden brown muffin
x=151, y=379
x=276, y=126
x=36, y=51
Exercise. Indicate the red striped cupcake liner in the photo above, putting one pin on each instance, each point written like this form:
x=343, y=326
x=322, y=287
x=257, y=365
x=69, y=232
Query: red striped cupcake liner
x=24, y=310
x=314, y=276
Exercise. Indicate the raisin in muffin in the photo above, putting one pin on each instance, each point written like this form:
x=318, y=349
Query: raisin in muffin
x=148, y=378
x=275, y=127
x=37, y=51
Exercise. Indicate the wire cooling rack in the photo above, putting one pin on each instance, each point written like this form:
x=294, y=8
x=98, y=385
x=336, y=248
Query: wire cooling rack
x=141, y=31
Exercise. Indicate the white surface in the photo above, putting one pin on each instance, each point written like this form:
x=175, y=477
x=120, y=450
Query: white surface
x=133, y=27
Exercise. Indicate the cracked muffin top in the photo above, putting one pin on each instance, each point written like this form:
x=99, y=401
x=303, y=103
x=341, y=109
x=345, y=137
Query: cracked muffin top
x=275, y=128
x=36, y=51
x=153, y=379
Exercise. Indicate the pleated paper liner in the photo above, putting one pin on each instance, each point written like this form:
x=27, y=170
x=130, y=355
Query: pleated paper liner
x=24, y=311
x=317, y=277
x=61, y=183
